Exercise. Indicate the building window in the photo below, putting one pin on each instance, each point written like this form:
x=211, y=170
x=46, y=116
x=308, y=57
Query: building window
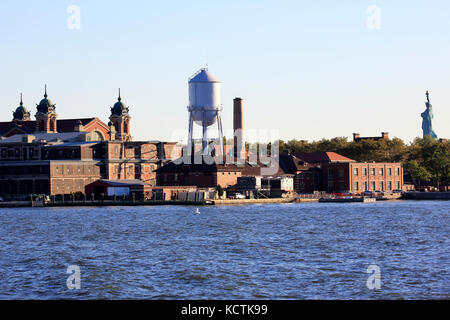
x=372, y=171
x=381, y=185
x=380, y=172
x=397, y=184
x=389, y=172
x=330, y=174
x=372, y=186
x=389, y=185
x=397, y=171
x=364, y=172
x=365, y=186
x=355, y=171
x=356, y=186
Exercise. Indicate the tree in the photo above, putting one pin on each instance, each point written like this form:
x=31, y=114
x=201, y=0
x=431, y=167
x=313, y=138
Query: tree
x=418, y=173
x=220, y=191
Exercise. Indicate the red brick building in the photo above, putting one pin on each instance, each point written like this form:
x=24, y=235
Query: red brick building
x=384, y=136
x=339, y=174
x=51, y=156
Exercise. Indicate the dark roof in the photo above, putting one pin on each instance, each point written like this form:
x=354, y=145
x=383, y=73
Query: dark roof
x=292, y=164
x=321, y=157
x=22, y=126
x=68, y=125
x=63, y=125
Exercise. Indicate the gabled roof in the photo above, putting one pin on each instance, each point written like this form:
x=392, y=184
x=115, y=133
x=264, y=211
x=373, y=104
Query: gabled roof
x=321, y=157
x=17, y=126
x=292, y=164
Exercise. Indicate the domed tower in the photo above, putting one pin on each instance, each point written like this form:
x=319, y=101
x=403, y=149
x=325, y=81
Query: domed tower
x=120, y=119
x=21, y=113
x=46, y=115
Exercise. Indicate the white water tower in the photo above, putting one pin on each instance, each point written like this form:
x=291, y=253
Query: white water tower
x=204, y=107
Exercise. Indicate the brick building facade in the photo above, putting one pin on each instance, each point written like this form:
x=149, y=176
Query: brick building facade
x=63, y=156
x=331, y=172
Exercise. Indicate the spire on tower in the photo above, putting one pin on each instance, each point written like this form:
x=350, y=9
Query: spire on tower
x=45, y=94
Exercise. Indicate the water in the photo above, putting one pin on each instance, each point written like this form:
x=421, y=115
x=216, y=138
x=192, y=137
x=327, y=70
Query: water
x=282, y=251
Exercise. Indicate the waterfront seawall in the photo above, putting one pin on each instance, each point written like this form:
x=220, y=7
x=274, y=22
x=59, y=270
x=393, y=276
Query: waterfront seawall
x=253, y=201
x=427, y=196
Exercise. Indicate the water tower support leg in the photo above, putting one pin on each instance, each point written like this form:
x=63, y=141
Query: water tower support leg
x=205, y=134
x=219, y=124
x=190, y=134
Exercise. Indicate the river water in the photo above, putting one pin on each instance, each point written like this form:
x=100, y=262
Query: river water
x=280, y=251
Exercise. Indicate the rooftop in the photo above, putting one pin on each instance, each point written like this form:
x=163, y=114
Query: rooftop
x=321, y=157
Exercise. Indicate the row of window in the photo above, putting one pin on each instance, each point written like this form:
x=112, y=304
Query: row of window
x=373, y=186
x=17, y=153
x=373, y=171
x=20, y=170
x=76, y=169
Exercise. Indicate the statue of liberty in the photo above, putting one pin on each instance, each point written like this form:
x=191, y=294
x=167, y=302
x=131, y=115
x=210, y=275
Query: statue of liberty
x=427, y=116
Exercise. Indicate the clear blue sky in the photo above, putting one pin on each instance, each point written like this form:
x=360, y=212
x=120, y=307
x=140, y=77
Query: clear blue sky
x=312, y=69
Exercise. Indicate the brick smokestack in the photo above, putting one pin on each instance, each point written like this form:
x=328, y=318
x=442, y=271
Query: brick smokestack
x=238, y=127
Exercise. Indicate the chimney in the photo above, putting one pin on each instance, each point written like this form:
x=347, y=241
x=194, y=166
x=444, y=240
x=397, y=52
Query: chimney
x=356, y=137
x=238, y=127
x=79, y=127
x=385, y=135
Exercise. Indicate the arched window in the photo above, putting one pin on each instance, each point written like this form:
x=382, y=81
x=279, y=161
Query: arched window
x=96, y=136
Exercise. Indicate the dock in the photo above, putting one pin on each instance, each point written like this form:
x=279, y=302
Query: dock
x=346, y=200
x=253, y=201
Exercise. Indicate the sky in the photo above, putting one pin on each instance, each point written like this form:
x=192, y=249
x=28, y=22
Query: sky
x=307, y=69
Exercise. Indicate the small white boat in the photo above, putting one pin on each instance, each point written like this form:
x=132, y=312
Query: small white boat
x=197, y=211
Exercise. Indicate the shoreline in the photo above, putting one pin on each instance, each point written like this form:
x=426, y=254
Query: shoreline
x=438, y=196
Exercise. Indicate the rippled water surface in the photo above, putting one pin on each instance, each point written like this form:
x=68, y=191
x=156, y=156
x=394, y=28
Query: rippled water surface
x=287, y=251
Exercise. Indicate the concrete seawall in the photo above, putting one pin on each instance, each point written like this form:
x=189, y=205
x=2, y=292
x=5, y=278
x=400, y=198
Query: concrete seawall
x=253, y=201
